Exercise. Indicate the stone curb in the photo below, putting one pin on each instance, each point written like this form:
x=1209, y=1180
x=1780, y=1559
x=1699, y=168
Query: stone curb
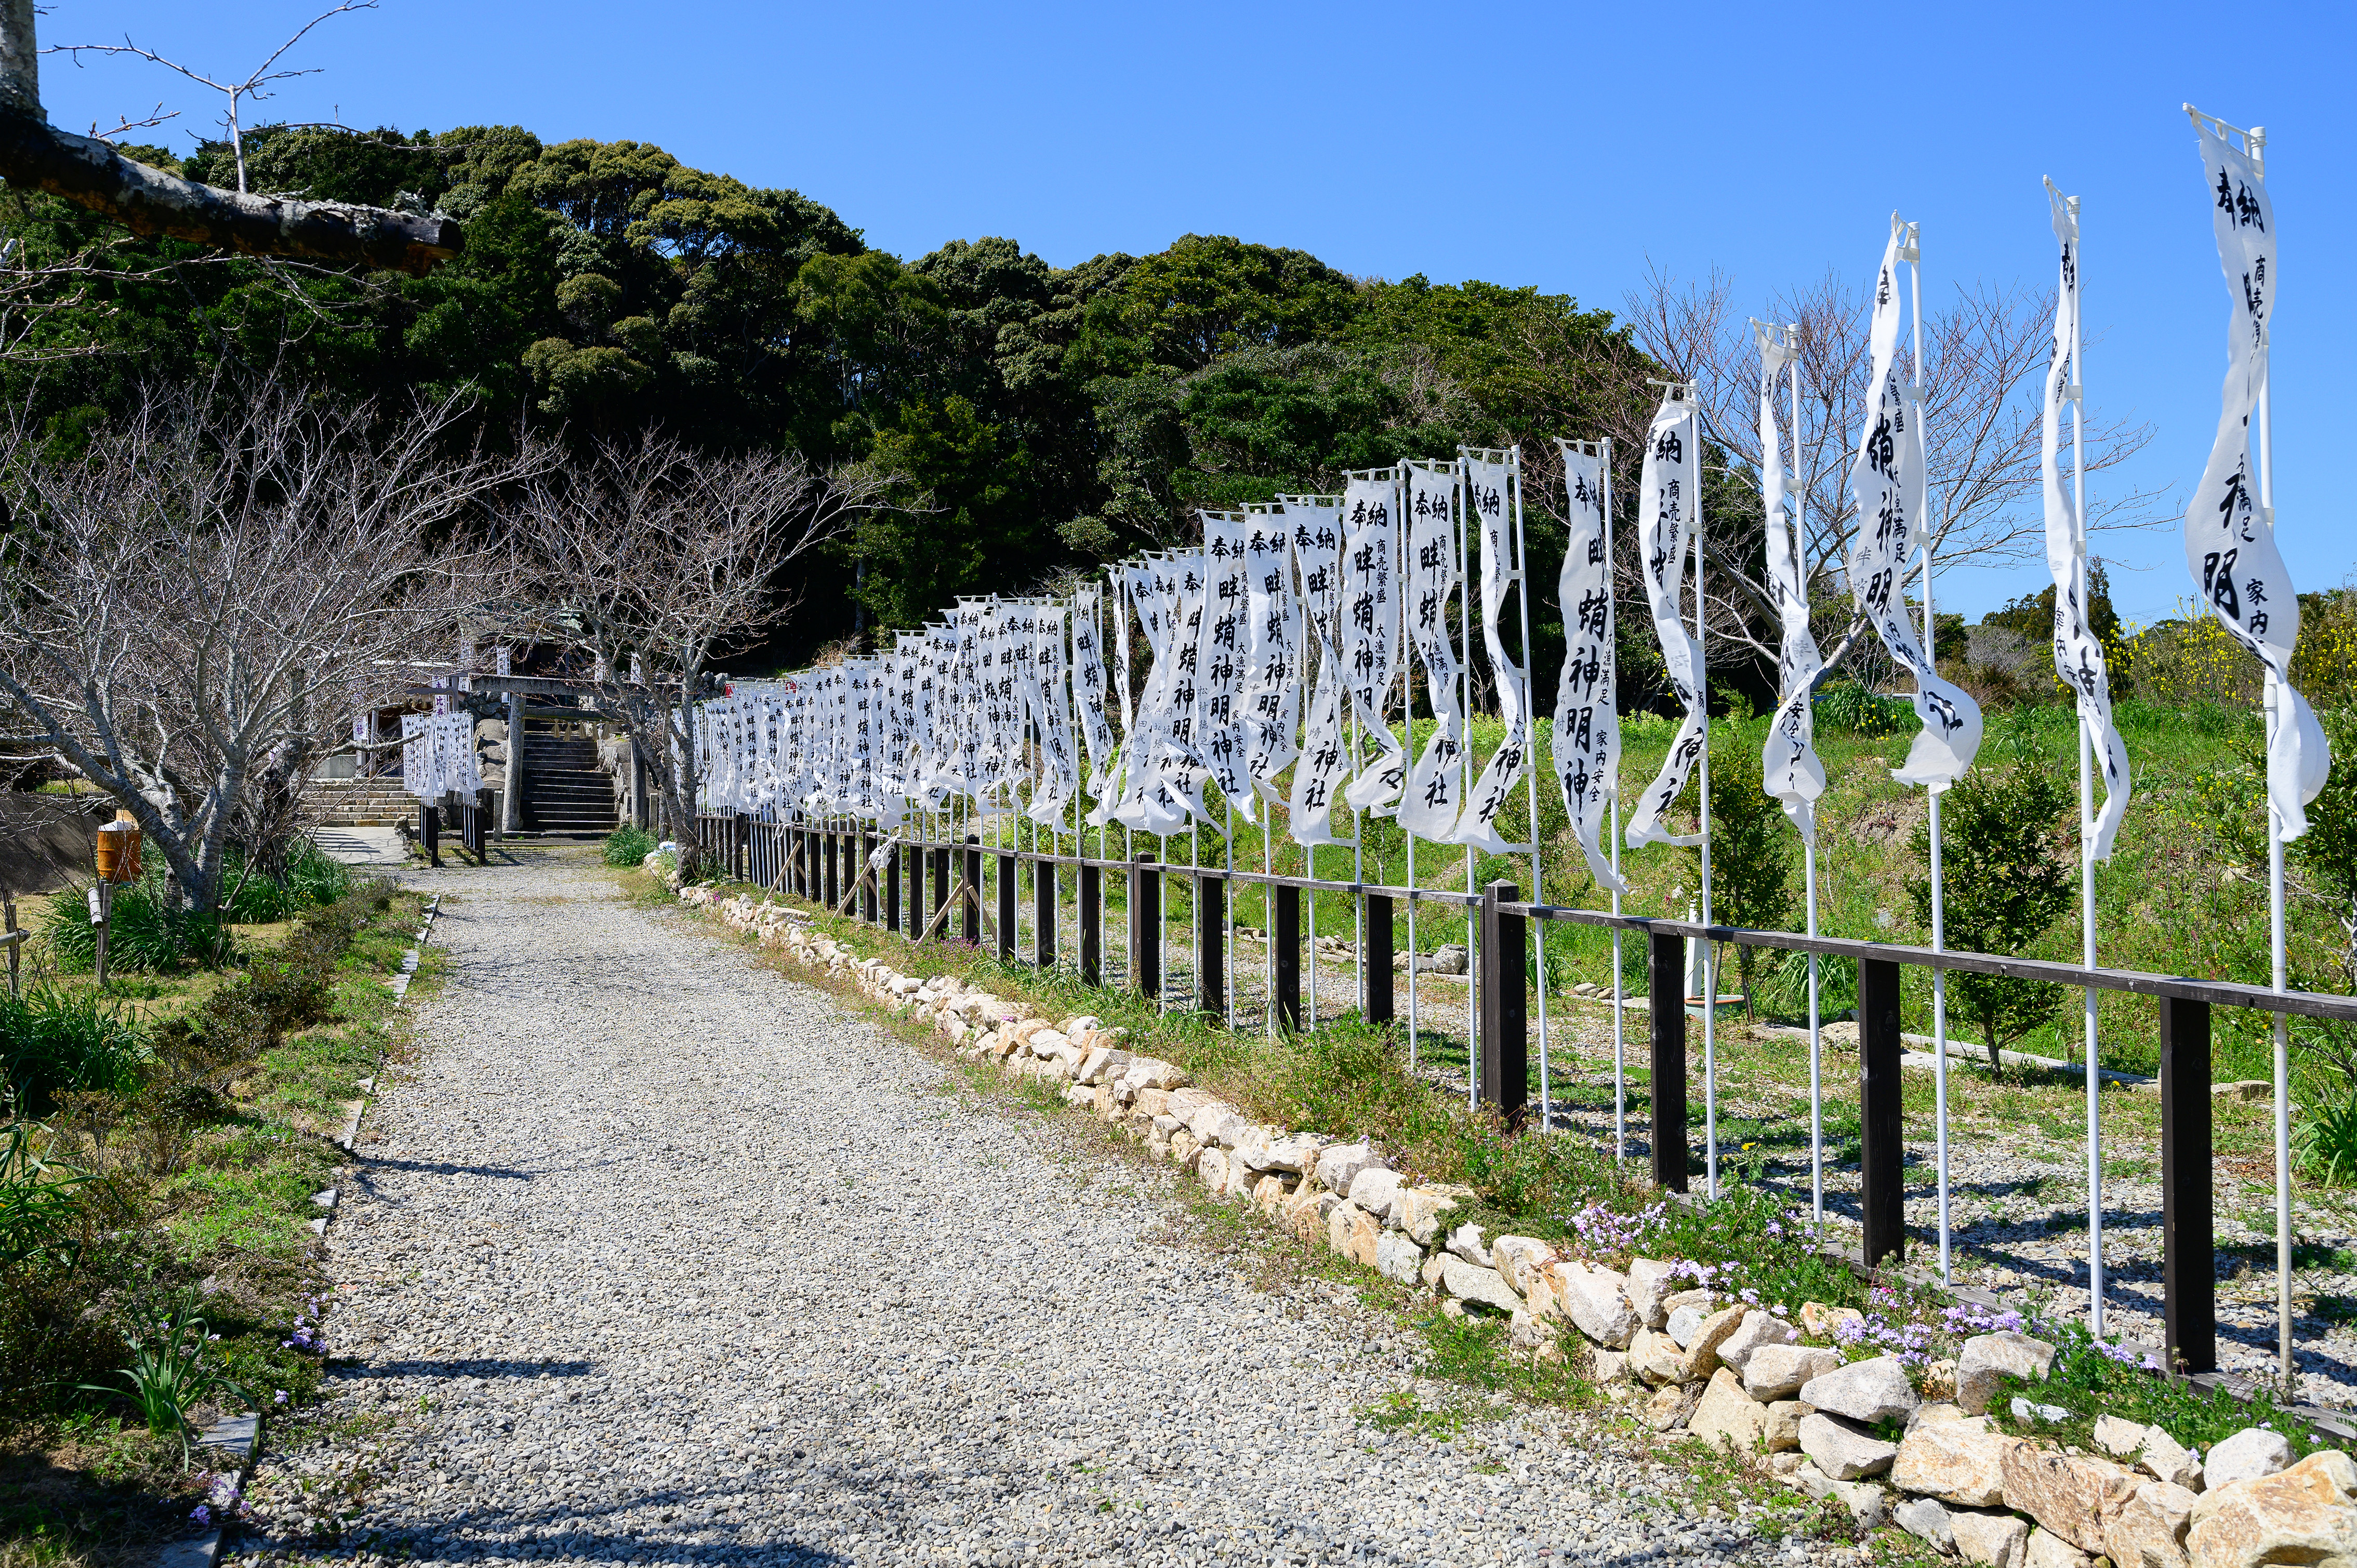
x=236, y=1438
x=1816, y=1419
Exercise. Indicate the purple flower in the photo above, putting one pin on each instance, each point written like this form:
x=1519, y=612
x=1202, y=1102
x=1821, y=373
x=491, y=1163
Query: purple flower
x=202, y=1514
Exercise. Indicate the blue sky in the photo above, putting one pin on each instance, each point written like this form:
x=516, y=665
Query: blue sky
x=1564, y=145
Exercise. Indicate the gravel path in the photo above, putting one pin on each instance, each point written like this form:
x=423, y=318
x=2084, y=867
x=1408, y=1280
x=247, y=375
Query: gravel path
x=659, y=1255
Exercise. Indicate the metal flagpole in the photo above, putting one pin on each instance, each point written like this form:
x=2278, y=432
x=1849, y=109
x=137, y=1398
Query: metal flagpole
x=2075, y=389
x=1460, y=509
x=1809, y=844
x=1620, y=998
x=1709, y=948
x=2255, y=140
x=1914, y=253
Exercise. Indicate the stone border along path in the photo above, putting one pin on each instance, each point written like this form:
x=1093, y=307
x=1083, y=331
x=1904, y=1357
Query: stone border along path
x=657, y=1255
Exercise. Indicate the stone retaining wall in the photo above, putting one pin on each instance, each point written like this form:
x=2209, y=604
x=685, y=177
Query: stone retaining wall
x=1916, y=1449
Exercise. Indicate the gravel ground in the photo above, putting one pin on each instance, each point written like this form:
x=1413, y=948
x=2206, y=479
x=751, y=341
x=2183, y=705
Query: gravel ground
x=658, y=1255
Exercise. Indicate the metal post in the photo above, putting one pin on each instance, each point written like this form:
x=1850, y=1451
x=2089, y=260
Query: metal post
x=1092, y=925
x=1375, y=968
x=1666, y=988
x=1882, y=1146
x=1145, y=924
x=2188, y=1258
x=1285, y=952
x=1210, y=945
x=102, y=901
x=1505, y=1021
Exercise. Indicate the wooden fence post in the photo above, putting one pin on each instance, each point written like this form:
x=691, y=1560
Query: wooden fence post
x=892, y=892
x=1043, y=913
x=1091, y=881
x=1882, y=1144
x=1210, y=946
x=972, y=920
x=1375, y=1004
x=483, y=826
x=15, y=945
x=1145, y=925
x=1006, y=933
x=1505, y=1015
x=1285, y=945
x=1665, y=994
x=942, y=883
x=2188, y=1255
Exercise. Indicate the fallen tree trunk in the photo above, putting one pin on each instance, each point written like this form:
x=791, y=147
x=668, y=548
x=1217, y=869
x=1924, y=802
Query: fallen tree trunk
x=91, y=174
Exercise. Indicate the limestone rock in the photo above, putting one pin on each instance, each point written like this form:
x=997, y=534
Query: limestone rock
x=1727, y=1416
x=1185, y=1103
x=2075, y=1496
x=1988, y=1356
x=1649, y=1286
x=1870, y=1390
x=1154, y=1103
x=1465, y=1242
x=1783, y=1434
x=1956, y=1461
x=2118, y=1438
x=1242, y=1179
x=1339, y=1166
x=1518, y=1258
x=1669, y=1407
x=1702, y=1353
x=1305, y=1212
x=1097, y=1065
x=2306, y=1515
x=1822, y=1321
x=1684, y=1321
x=2248, y=1454
x=1419, y=1212
x=1353, y=1231
x=2149, y=1530
x=1844, y=1450
x=1925, y=1519
x=1152, y=1072
x=1757, y=1330
x=1939, y=1413
x=1777, y=1371
x=1595, y=1300
x=1611, y=1367
x=1470, y=1281
x=1185, y=1147
x=1989, y=1537
x=2046, y=1549
x=1373, y=1189
x=1398, y=1258
x=1298, y=1154
x=1656, y=1357
x=2163, y=1458
x=1211, y=1169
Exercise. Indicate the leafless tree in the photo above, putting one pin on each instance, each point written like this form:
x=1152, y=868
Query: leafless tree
x=1985, y=357
x=88, y=172
x=192, y=609
x=654, y=560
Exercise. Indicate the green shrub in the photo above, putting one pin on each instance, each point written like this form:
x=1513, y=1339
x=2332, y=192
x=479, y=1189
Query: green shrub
x=54, y=1042
x=148, y=929
x=1846, y=704
x=628, y=846
x=2325, y=1141
x=2006, y=881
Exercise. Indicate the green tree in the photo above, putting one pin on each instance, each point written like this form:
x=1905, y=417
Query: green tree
x=2007, y=880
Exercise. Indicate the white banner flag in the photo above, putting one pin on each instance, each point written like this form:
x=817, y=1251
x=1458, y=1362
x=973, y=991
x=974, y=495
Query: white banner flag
x=1060, y=768
x=1587, y=701
x=1317, y=530
x=1160, y=590
x=1430, y=806
x=1493, y=505
x=2230, y=541
x=1671, y=526
x=1223, y=665
x=1886, y=481
x=1273, y=651
x=2078, y=656
x=1789, y=769
x=1370, y=506
x=1088, y=687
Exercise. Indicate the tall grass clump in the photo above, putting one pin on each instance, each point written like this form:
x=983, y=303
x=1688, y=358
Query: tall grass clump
x=55, y=1042
x=627, y=845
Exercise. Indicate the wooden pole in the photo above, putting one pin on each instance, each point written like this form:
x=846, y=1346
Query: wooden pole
x=1145, y=925
x=1284, y=949
x=1210, y=945
x=1375, y=971
x=1666, y=988
x=2189, y=1256
x=1505, y=1019
x=1092, y=882
x=1882, y=1145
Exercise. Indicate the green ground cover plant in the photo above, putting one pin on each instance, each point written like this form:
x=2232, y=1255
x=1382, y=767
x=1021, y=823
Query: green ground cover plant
x=155, y=1264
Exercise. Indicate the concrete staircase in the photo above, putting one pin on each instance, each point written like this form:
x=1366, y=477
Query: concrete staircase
x=359, y=802
x=565, y=790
